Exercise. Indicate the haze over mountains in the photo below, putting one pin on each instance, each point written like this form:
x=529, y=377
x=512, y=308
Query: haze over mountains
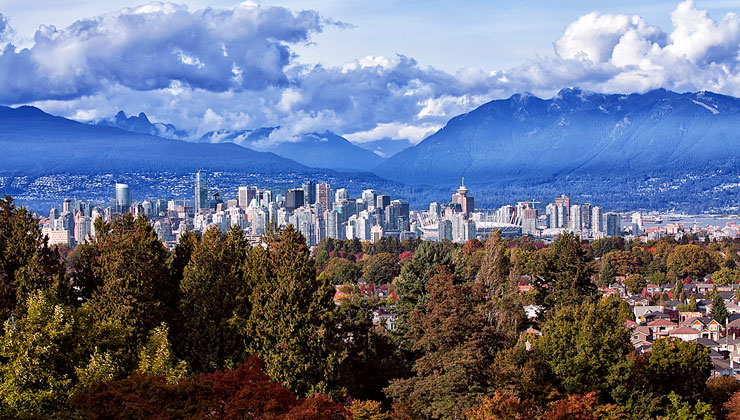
x=623, y=148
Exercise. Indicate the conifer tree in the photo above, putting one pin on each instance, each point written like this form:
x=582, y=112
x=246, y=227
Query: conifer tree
x=719, y=309
x=292, y=321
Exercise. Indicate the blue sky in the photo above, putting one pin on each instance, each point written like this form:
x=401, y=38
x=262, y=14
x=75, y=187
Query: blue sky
x=365, y=69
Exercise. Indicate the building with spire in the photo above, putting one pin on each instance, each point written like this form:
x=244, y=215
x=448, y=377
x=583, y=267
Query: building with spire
x=461, y=197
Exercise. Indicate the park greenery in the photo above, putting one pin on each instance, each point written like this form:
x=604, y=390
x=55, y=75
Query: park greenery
x=121, y=327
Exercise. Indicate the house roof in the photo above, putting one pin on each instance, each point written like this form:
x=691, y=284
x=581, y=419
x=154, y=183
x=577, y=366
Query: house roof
x=630, y=324
x=662, y=322
x=684, y=331
x=643, y=330
x=706, y=342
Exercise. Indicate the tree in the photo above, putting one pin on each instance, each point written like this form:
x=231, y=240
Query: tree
x=457, y=343
x=586, y=348
x=27, y=263
x=429, y=259
x=563, y=273
x=719, y=309
x=503, y=405
x=635, y=283
x=212, y=282
x=606, y=275
x=39, y=352
x=720, y=390
x=367, y=410
x=623, y=262
x=381, y=268
x=678, y=409
x=724, y=276
x=156, y=357
x=690, y=260
x=342, y=270
x=130, y=265
x=625, y=311
x=292, y=321
x=678, y=366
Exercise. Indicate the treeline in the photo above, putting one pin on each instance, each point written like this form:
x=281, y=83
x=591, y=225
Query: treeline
x=121, y=327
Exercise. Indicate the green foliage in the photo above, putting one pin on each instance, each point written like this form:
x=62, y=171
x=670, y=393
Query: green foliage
x=625, y=312
x=635, y=283
x=724, y=276
x=367, y=410
x=429, y=258
x=679, y=409
x=690, y=260
x=156, y=357
x=342, y=270
x=39, y=350
x=679, y=366
x=606, y=275
x=27, y=263
x=135, y=292
x=101, y=368
x=212, y=292
x=719, y=309
x=563, y=272
x=292, y=321
x=381, y=268
x=586, y=348
x=453, y=332
x=603, y=246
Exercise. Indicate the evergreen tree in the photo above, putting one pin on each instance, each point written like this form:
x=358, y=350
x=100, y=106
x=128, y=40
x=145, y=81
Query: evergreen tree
x=606, y=275
x=212, y=282
x=719, y=309
x=135, y=286
x=27, y=263
x=292, y=322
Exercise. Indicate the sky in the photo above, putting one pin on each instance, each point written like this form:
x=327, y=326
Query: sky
x=363, y=69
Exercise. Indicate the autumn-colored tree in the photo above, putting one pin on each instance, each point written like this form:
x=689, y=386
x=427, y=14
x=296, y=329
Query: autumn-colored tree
x=690, y=260
x=503, y=405
x=368, y=410
x=719, y=391
x=623, y=263
x=245, y=392
x=212, y=282
x=292, y=323
x=342, y=270
x=457, y=342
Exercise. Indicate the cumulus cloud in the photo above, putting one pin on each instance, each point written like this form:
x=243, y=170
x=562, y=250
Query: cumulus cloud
x=153, y=46
x=5, y=30
x=234, y=69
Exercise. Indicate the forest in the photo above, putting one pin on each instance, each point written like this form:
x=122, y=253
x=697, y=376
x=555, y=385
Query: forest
x=121, y=327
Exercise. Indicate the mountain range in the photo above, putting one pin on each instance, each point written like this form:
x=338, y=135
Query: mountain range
x=659, y=149
x=577, y=134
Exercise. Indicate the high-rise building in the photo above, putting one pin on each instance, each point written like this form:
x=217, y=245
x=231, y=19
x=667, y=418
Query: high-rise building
x=201, y=190
x=376, y=233
x=467, y=203
x=246, y=195
x=67, y=206
x=123, y=198
x=613, y=225
x=341, y=194
x=597, y=223
x=563, y=202
x=382, y=201
x=529, y=222
x=444, y=230
x=293, y=199
x=309, y=192
x=586, y=215
x=368, y=196
x=637, y=223
x=323, y=196
x=551, y=210
x=574, y=222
